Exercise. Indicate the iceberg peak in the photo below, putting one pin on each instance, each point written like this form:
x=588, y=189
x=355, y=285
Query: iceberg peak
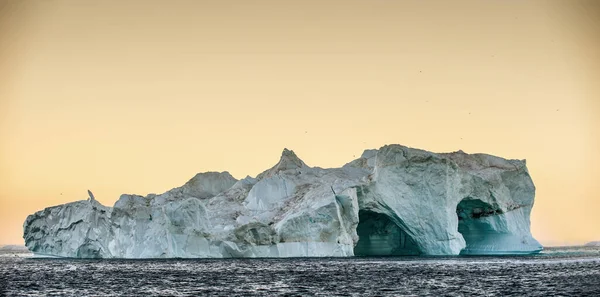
x=288, y=160
x=208, y=184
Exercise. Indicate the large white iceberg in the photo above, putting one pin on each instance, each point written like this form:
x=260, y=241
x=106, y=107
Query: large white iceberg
x=392, y=201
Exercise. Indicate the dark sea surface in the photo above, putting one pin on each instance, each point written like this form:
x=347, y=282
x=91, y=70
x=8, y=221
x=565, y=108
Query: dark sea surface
x=554, y=272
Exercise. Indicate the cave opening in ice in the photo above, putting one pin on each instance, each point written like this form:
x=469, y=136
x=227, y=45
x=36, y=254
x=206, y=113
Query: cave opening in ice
x=478, y=223
x=378, y=235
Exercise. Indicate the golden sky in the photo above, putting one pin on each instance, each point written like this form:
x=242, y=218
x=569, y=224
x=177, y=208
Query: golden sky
x=138, y=96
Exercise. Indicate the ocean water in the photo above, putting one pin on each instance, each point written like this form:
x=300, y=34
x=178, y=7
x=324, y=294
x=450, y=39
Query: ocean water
x=554, y=272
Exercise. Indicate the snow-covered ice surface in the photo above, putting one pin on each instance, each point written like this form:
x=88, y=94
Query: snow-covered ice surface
x=554, y=272
x=391, y=201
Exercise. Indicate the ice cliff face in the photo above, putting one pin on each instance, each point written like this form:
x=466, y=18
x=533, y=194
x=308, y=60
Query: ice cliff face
x=391, y=201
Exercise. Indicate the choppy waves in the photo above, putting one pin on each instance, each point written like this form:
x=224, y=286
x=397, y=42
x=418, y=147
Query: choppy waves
x=571, y=272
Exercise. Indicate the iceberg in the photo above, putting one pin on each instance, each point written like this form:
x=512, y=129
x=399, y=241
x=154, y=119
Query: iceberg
x=391, y=201
x=593, y=244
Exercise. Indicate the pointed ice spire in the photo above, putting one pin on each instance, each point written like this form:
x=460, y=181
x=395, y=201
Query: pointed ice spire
x=288, y=161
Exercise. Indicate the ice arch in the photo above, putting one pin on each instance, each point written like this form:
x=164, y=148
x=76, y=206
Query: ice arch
x=489, y=230
x=476, y=226
x=378, y=235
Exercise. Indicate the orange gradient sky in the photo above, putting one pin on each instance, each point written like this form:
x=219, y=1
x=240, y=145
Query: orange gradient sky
x=138, y=96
